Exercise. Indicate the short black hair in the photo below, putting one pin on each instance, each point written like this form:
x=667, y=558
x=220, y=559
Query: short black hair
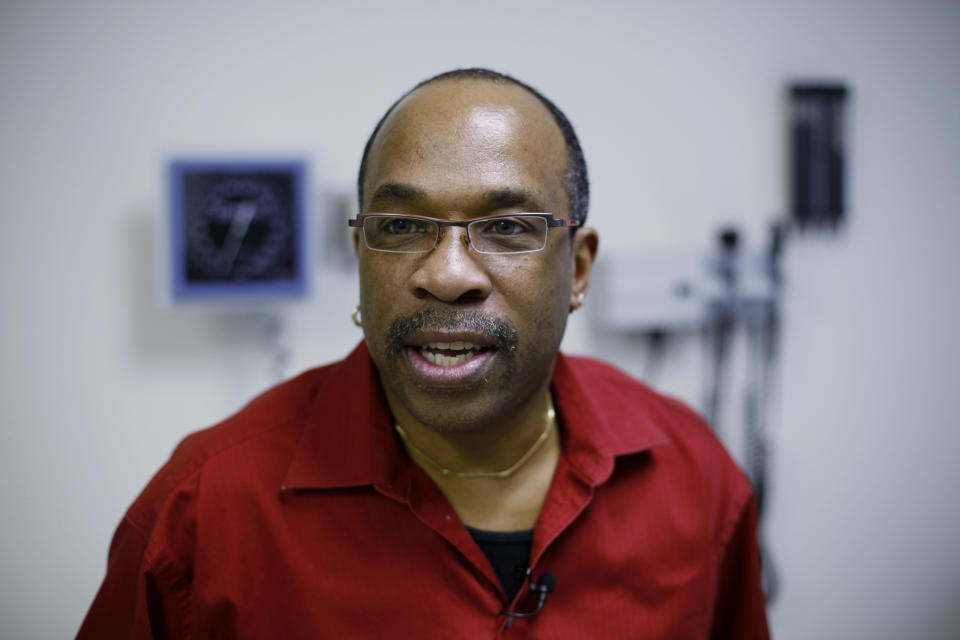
x=575, y=178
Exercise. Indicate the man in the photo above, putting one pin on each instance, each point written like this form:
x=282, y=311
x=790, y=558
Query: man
x=455, y=476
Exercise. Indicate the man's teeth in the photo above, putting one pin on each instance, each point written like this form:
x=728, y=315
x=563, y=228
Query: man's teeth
x=446, y=361
x=428, y=351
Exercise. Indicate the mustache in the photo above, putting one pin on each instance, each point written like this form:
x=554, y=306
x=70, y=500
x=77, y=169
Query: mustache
x=502, y=334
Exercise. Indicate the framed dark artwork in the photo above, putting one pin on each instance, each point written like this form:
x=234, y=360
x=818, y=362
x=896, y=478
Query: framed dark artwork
x=237, y=229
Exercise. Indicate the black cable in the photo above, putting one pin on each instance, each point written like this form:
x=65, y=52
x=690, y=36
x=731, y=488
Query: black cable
x=544, y=586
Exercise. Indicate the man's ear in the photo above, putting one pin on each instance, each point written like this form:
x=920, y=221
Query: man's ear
x=585, y=243
x=356, y=242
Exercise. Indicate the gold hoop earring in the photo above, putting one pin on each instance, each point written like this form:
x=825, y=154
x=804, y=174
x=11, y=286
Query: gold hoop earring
x=355, y=316
x=578, y=302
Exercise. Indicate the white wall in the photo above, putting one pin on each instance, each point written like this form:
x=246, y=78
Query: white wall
x=679, y=107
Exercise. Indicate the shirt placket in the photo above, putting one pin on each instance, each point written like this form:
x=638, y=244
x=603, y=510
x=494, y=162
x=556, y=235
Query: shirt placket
x=413, y=488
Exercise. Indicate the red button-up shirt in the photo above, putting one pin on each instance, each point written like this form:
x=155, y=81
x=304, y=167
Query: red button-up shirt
x=303, y=517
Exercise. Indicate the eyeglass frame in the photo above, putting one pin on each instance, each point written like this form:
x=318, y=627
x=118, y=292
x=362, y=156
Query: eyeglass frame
x=549, y=218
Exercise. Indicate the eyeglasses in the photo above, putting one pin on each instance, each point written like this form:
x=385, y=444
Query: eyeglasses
x=508, y=233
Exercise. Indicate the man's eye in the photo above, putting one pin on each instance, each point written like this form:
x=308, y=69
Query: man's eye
x=402, y=225
x=506, y=227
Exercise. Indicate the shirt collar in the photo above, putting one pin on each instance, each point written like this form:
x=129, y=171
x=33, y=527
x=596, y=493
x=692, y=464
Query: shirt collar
x=606, y=414
x=348, y=439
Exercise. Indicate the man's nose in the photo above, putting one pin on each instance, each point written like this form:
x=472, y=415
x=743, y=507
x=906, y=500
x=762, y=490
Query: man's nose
x=451, y=272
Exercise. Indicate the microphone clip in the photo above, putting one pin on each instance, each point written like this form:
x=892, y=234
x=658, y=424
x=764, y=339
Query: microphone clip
x=544, y=586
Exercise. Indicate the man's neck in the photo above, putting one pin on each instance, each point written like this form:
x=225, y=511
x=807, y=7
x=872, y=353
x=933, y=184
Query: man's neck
x=482, y=449
x=484, y=501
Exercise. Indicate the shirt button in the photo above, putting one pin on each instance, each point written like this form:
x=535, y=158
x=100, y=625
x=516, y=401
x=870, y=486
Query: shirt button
x=446, y=517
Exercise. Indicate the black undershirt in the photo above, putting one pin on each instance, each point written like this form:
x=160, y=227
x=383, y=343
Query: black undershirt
x=508, y=553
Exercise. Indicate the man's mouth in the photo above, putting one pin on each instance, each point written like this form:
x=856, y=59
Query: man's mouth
x=450, y=354
x=452, y=349
x=449, y=363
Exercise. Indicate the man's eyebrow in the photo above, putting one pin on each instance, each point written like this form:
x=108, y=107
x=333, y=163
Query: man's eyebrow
x=498, y=198
x=397, y=191
x=510, y=197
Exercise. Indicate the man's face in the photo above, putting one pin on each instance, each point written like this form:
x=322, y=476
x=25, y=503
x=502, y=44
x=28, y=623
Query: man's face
x=462, y=339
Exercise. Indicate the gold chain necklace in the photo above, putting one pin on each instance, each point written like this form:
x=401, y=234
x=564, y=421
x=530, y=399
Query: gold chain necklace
x=550, y=421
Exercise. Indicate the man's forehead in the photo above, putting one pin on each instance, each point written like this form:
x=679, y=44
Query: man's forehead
x=490, y=197
x=478, y=102
x=468, y=121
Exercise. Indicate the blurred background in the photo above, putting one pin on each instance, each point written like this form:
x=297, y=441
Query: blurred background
x=682, y=108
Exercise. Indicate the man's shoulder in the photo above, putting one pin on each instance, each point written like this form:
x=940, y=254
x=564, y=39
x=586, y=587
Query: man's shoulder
x=282, y=406
x=626, y=392
x=268, y=426
x=678, y=446
x=687, y=435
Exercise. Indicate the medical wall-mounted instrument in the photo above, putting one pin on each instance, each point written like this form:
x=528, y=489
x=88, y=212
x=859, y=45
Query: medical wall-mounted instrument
x=818, y=155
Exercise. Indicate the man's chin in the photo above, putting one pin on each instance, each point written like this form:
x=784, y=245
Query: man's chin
x=461, y=408
x=457, y=417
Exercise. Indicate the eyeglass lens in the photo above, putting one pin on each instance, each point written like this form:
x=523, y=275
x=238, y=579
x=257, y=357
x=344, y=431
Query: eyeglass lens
x=400, y=234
